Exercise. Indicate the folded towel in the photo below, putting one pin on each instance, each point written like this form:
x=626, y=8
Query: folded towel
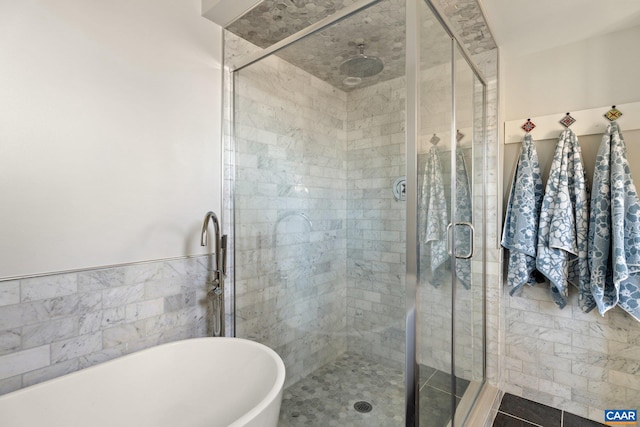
x=614, y=234
x=434, y=217
x=463, y=214
x=564, y=221
x=520, y=233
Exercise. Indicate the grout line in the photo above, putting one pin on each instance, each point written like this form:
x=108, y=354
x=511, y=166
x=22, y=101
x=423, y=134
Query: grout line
x=440, y=390
x=521, y=419
x=427, y=380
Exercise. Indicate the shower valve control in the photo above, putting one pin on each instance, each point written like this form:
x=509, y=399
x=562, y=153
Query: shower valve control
x=399, y=188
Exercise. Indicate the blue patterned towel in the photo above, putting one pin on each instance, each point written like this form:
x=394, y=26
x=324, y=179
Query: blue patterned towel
x=463, y=214
x=434, y=218
x=520, y=233
x=614, y=234
x=564, y=221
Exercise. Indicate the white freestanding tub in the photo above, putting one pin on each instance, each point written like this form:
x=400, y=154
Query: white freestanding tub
x=201, y=382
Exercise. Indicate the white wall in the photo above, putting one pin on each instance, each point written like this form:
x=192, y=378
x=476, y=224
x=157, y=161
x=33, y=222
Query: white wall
x=109, y=131
x=592, y=73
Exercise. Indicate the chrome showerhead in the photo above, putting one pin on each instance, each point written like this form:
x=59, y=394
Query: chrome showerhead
x=361, y=65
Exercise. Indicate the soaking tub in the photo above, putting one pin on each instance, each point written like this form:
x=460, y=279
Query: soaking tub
x=210, y=382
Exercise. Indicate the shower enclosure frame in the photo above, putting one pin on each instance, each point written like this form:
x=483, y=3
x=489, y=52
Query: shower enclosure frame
x=412, y=74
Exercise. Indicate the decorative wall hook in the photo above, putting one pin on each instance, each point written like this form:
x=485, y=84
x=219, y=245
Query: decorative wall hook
x=613, y=114
x=567, y=120
x=459, y=135
x=528, y=126
x=434, y=139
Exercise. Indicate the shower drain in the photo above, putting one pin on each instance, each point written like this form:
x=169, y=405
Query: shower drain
x=363, y=406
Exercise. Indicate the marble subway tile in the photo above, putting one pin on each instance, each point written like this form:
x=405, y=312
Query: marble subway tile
x=17, y=315
x=9, y=292
x=161, y=288
x=144, y=343
x=554, y=362
x=623, y=379
x=607, y=332
x=102, y=319
x=555, y=389
x=123, y=335
x=590, y=342
x=613, y=395
x=538, y=371
x=46, y=287
x=75, y=347
x=587, y=371
x=69, y=305
x=624, y=350
x=571, y=380
x=48, y=332
x=553, y=335
x=123, y=295
x=10, y=341
x=67, y=322
x=94, y=280
x=522, y=303
x=142, y=273
x=539, y=319
x=158, y=324
x=144, y=309
x=190, y=272
x=101, y=356
x=8, y=385
x=24, y=361
x=623, y=364
x=179, y=301
x=523, y=380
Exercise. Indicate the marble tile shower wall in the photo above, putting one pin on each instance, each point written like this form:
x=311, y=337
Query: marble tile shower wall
x=581, y=363
x=376, y=221
x=60, y=323
x=290, y=272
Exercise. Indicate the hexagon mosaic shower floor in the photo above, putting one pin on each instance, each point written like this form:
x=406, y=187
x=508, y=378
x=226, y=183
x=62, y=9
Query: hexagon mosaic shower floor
x=327, y=396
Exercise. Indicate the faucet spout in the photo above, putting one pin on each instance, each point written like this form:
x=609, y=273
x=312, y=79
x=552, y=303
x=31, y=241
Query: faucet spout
x=216, y=295
x=220, y=243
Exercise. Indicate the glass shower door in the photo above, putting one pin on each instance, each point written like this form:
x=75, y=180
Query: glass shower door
x=450, y=321
x=434, y=290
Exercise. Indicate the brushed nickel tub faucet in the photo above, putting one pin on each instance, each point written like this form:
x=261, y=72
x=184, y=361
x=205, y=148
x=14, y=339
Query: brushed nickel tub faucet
x=216, y=294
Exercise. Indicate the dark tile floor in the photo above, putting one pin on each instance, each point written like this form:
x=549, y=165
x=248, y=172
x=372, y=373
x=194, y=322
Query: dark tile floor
x=327, y=396
x=435, y=396
x=516, y=411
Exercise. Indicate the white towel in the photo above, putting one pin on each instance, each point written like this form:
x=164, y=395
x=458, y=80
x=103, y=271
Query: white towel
x=564, y=221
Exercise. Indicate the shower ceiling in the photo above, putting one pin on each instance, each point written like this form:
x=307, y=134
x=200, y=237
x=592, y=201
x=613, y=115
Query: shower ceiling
x=381, y=28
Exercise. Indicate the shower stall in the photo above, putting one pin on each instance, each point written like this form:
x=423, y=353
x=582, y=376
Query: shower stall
x=355, y=188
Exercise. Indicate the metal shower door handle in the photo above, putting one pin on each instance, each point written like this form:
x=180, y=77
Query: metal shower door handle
x=472, y=232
